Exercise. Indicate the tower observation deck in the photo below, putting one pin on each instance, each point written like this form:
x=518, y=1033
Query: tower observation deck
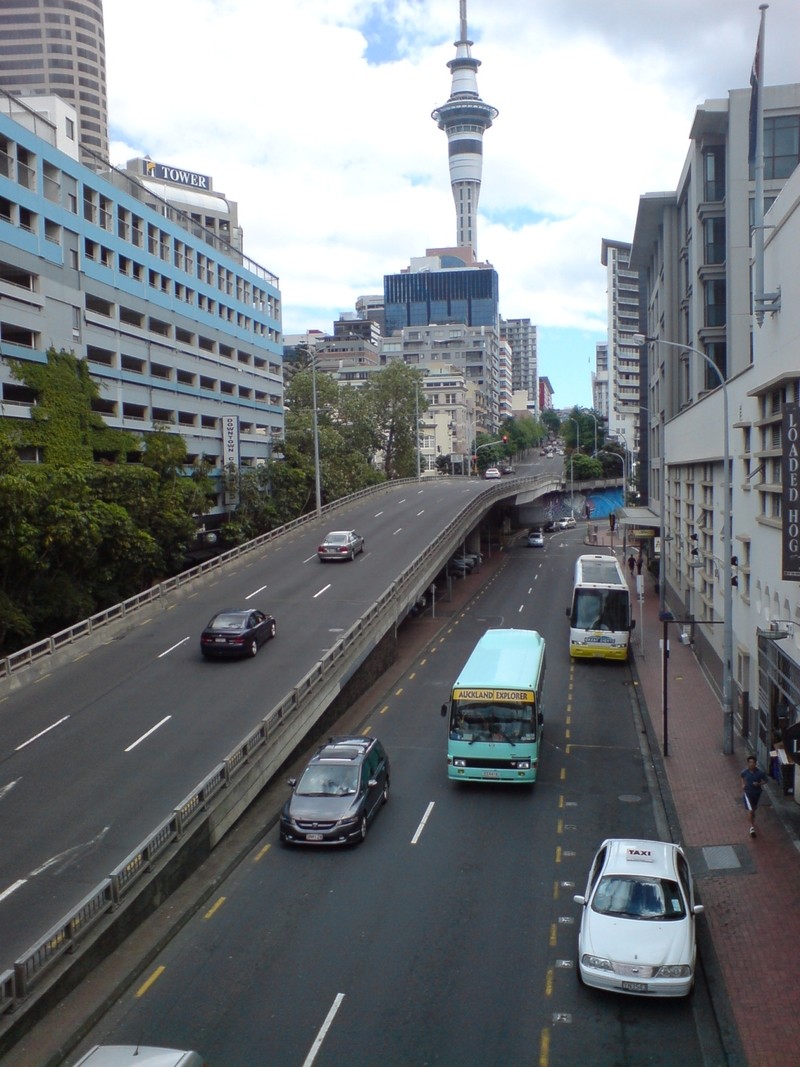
x=464, y=118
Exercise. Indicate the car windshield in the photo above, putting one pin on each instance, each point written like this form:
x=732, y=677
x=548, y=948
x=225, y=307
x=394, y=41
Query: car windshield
x=639, y=898
x=227, y=622
x=328, y=780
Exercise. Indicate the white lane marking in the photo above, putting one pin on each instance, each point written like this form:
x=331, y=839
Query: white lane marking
x=324, y=589
x=13, y=888
x=41, y=733
x=172, y=648
x=145, y=735
x=421, y=512
x=397, y=531
x=377, y=514
x=309, y=558
x=62, y=857
x=421, y=826
x=519, y=609
x=312, y=1053
x=402, y=501
x=7, y=788
x=255, y=592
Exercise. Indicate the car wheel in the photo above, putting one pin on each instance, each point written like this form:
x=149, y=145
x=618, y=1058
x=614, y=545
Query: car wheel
x=362, y=830
x=386, y=790
x=273, y=629
x=253, y=648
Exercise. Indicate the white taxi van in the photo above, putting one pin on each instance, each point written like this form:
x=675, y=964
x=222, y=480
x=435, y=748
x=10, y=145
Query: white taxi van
x=637, y=931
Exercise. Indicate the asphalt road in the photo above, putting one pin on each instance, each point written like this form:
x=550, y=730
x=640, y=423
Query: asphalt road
x=449, y=936
x=94, y=755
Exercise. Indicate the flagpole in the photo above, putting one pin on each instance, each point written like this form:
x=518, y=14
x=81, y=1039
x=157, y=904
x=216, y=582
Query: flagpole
x=757, y=87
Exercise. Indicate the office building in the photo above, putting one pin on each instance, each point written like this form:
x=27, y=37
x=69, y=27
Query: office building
x=54, y=48
x=622, y=291
x=521, y=336
x=178, y=331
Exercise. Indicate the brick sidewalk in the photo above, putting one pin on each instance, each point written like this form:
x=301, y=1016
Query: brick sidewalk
x=750, y=886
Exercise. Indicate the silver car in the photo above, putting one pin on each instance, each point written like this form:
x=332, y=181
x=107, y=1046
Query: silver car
x=340, y=544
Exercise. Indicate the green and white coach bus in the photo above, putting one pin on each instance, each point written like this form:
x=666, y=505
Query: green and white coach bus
x=496, y=710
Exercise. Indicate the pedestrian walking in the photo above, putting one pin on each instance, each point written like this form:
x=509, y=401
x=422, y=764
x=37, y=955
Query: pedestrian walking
x=631, y=563
x=639, y=562
x=753, y=781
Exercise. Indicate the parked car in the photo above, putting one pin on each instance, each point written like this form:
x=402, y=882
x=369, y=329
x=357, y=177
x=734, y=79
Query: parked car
x=237, y=632
x=637, y=932
x=139, y=1056
x=549, y=526
x=491, y=472
x=341, y=544
x=507, y=469
x=535, y=539
x=566, y=524
x=338, y=794
x=470, y=562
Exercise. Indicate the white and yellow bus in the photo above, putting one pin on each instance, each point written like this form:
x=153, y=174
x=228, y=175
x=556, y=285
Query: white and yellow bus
x=600, y=622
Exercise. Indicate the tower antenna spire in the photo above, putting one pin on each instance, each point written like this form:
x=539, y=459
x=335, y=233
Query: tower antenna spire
x=464, y=118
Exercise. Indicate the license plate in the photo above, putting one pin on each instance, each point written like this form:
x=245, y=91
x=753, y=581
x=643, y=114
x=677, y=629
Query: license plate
x=635, y=987
x=491, y=774
x=313, y=837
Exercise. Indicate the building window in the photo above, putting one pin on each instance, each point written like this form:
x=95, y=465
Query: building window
x=715, y=302
x=717, y=352
x=714, y=174
x=781, y=145
x=714, y=240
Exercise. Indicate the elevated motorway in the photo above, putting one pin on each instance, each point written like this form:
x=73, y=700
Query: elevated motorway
x=99, y=749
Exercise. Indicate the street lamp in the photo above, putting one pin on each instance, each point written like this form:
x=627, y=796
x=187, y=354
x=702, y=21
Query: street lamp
x=727, y=587
x=571, y=455
x=317, y=486
x=592, y=416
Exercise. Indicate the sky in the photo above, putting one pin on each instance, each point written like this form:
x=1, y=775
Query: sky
x=314, y=116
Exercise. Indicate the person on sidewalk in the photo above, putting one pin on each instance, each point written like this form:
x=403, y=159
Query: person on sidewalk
x=753, y=781
x=631, y=563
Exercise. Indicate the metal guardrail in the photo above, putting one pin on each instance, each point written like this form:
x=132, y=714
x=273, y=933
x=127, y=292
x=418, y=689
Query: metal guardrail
x=34, y=964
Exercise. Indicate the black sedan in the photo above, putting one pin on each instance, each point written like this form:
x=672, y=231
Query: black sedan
x=340, y=544
x=239, y=632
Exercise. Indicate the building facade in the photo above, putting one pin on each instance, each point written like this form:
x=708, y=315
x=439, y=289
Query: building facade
x=57, y=48
x=622, y=352
x=178, y=333
x=521, y=336
x=692, y=248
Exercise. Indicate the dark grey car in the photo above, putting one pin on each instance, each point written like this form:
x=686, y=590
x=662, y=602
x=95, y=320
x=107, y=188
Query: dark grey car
x=338, y=794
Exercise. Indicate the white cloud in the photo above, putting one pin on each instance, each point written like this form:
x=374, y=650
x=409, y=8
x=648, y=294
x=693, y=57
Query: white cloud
x=314, y=116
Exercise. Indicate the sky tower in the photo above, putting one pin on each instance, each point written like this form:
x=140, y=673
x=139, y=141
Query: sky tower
x=464, y=118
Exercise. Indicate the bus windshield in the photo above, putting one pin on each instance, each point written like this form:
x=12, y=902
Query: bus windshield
x=492, y=721
x=600, y=609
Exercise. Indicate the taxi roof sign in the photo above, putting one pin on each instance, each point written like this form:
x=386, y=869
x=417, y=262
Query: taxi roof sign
x=639, y=855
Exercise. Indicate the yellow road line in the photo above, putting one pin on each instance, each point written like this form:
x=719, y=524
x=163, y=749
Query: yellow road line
x=214, y=907
x=140, y=992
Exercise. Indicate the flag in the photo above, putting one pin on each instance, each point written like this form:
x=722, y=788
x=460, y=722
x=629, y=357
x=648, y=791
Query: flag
x=756, y=75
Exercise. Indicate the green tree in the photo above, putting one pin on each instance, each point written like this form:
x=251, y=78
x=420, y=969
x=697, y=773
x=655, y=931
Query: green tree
x=396, y=400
